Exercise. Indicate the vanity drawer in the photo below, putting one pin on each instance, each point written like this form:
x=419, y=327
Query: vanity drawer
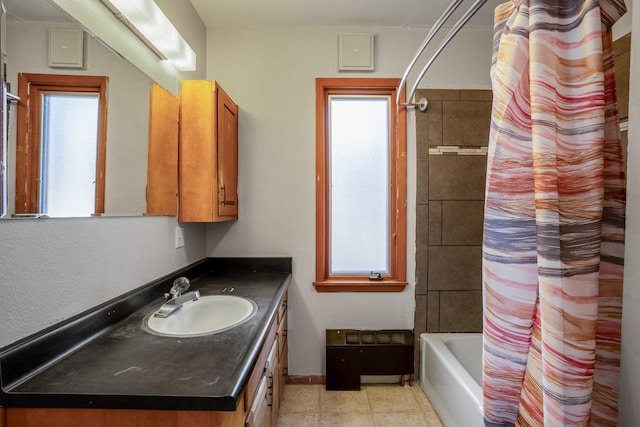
x=258, y=415
x=282, y=310
x=282, y=335
x=260, y=367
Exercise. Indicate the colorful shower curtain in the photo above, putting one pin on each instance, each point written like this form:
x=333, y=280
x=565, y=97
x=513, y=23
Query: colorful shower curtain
x=554, y=218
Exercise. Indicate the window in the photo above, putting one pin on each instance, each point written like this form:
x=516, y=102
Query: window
x=60, y=148
x=68, y=154
x=360, y=187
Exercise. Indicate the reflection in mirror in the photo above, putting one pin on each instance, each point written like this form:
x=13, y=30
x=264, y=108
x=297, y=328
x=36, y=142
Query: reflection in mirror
x=69, y=173
x=27, y=51
x=60, y=145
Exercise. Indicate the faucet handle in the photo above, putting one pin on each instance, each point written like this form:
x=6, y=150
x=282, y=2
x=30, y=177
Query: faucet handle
x=180, y=285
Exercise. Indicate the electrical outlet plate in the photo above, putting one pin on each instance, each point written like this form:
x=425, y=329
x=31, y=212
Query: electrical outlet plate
x=179, y=237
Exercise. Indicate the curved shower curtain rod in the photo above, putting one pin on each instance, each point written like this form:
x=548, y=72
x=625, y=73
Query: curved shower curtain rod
x=450, y=35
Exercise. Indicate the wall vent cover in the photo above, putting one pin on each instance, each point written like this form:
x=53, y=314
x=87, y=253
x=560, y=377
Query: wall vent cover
x=355, y=52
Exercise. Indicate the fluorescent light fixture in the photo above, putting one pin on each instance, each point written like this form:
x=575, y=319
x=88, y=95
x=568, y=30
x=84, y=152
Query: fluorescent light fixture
x=147, y=21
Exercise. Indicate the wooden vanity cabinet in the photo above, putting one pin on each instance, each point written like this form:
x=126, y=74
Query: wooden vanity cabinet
x=208, y=153
x=283, y=352
x=270, y=370
x=259, y=406
x=259, y=414
x=64, y=417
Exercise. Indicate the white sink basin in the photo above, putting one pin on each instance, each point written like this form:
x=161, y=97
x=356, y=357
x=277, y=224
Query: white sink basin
x=207, y=315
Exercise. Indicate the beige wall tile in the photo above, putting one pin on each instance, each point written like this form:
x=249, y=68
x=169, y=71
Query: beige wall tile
x=422, y=178
x=476, y=95
x=462, y=222
x=420, y=315
x=422, y=269
x=466, y=122
x=622, y=52
x=451, y=189
x=455, y=268
x=622, y=44
x=461, y=311
x=440, y=94
x=457, y=177
x=422, y=226
x=435, y=223
x=622, y=66
x=422, y=241
x=421, y=92
x=435, y=119
x=624, y=136
x=422, y=134
x=416, y=356
x=433, y=311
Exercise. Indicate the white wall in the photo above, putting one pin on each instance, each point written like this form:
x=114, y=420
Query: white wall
x=270, y=73
x=53, y=269
x=630, y=366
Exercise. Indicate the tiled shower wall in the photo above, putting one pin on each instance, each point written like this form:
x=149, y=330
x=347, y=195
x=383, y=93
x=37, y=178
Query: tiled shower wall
x=450, y=197
x=450, y=201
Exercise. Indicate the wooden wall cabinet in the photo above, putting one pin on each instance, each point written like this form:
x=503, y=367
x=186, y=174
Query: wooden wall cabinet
x=162, y=164
x=208, y=153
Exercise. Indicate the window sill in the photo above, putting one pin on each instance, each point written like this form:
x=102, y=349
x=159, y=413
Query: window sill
x=359, y=286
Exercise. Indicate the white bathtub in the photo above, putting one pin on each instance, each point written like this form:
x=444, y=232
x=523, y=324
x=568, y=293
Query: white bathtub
x=451, y=377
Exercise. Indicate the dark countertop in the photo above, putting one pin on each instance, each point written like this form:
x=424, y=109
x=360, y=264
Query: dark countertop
x=89, y=362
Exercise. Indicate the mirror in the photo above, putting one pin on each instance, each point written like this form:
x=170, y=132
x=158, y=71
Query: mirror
x=27, y=51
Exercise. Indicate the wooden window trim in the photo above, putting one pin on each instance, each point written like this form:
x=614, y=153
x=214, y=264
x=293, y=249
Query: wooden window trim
x=395, y=281
x=28, y=131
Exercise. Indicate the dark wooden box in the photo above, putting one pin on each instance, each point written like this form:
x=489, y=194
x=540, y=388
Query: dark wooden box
x=351, y=353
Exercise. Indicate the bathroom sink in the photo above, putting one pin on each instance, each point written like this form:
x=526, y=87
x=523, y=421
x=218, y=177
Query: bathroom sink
x=206, y=315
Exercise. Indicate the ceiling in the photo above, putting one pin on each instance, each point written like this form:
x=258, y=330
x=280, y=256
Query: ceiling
x=346, y=13
x=342, y=13
x=35, y=10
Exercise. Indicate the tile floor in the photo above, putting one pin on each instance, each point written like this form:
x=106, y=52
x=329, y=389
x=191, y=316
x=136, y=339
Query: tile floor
x=374, y=405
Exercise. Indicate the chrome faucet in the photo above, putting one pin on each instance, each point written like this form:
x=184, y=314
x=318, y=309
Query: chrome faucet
x=175, y=298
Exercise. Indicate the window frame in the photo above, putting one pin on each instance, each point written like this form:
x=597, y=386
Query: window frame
x=395, y=280
x=29, y=132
